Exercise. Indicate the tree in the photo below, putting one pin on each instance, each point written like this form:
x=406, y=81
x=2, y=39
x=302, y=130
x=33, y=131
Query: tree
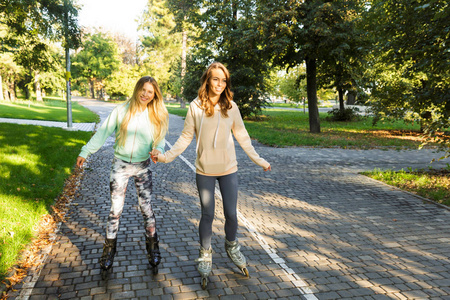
x=162, y=46
x=97, y=60
x=412, y=69
x=10, y=72
x=292, y=85
x=30, y=22
x=312, y=32
x=344, y=65
x=183, y=11
x=228, y=35
x=36, y=57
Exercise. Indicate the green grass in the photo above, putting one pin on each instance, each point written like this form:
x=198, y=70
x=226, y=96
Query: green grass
x=430, y=184
x=49, y=110
x=282, y=128
x=300, y=105
x=34, y=164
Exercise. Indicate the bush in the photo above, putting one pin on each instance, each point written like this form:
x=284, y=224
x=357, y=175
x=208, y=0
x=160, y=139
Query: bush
x=346, y=115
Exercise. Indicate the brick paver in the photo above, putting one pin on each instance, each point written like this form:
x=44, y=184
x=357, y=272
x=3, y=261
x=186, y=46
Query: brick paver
x=313, y=228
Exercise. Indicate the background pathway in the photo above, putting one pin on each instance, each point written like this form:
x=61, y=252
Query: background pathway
x=313, y=228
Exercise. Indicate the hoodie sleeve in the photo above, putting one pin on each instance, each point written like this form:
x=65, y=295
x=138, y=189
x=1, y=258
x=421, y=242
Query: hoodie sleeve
x=99, y=138
x=241, y=135
x=183, y=141
x=161, y=145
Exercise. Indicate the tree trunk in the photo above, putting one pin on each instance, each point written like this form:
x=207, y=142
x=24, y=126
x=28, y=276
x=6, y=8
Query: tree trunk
x=351, y=98
x=27, y=92
x=37, y=86
x=341, y=99
x=12, y=91
x=183, y=65
x=311, y=90
x=91, y=88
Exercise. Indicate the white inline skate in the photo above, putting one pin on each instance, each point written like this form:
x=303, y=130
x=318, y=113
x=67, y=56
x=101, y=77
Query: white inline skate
x=204, y=264
x=234, y=253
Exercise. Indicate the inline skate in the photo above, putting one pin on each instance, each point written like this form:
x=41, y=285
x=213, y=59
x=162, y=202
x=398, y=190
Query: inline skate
x=107, y=258
x=153, y=253
x=234, y=253
x=204, y=264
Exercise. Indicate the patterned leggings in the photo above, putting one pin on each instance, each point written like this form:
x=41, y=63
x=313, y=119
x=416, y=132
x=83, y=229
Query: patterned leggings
x=120, y=174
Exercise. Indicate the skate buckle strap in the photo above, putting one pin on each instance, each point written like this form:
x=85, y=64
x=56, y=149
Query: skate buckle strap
x=235, y=249
x=204, y=258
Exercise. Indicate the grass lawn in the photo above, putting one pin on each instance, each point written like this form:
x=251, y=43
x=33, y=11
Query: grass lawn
x=282, y=128
x=49, y=110
x=35, y=161
x=430, y=184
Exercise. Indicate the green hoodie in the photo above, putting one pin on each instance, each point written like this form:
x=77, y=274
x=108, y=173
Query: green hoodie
x=139, y=139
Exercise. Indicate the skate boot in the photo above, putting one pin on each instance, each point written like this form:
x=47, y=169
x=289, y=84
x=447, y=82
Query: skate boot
x=153, y=254
x=204, y=264
x=234, y=253
x=107, y=258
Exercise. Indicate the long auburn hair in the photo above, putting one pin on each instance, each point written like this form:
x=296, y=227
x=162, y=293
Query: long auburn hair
x=157, y=112
x=203, y=92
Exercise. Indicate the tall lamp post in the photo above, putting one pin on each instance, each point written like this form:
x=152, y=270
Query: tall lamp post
x=68, y=93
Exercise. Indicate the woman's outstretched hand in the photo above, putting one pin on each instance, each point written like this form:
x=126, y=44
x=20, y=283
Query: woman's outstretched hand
x=80, y=161
x=154, y=154
x=269, y=168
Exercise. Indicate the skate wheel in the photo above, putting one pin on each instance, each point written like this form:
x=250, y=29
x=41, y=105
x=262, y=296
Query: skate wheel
x=245, y=272
x=204, y=283
x=155, y=270
x=104, y=274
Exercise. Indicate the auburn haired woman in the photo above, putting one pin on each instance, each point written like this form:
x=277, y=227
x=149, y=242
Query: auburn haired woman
x=140, y=126
x=212, y=116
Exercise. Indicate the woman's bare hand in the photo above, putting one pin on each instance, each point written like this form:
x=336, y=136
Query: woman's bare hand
x=80, y=161
x=154, y=154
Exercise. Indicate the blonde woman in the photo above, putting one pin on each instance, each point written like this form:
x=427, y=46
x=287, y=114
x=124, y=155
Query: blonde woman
x=212, y=116
x=140, y=126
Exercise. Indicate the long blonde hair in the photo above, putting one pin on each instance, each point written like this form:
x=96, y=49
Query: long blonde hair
x=157, y=112
x=225, y=97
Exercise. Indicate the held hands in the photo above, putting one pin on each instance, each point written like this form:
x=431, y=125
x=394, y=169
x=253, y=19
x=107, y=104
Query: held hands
x=80, y=161
x=154, y=154
x=269, y=168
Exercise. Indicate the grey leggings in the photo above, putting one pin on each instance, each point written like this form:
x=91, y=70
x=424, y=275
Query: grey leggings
x=228, y=185
x=120, y=174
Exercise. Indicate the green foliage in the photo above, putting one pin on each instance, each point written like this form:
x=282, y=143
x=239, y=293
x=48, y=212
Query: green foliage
x=343, y=115
x=34, y=163
x=96, y=61
x=292, y=84
x=51, y=19
x=161, y=45
x=121, y=82
x=228, y=35
x=412, y=69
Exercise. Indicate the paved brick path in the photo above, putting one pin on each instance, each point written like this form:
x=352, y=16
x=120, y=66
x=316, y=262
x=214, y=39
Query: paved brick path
x=313, y=228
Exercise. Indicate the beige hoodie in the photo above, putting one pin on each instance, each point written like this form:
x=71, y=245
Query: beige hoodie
x=216, y=155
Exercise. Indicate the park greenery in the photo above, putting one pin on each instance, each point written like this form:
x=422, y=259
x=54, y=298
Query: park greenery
x=389, y=55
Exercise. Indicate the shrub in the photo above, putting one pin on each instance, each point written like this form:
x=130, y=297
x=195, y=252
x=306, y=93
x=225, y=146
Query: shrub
x=345, y=115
